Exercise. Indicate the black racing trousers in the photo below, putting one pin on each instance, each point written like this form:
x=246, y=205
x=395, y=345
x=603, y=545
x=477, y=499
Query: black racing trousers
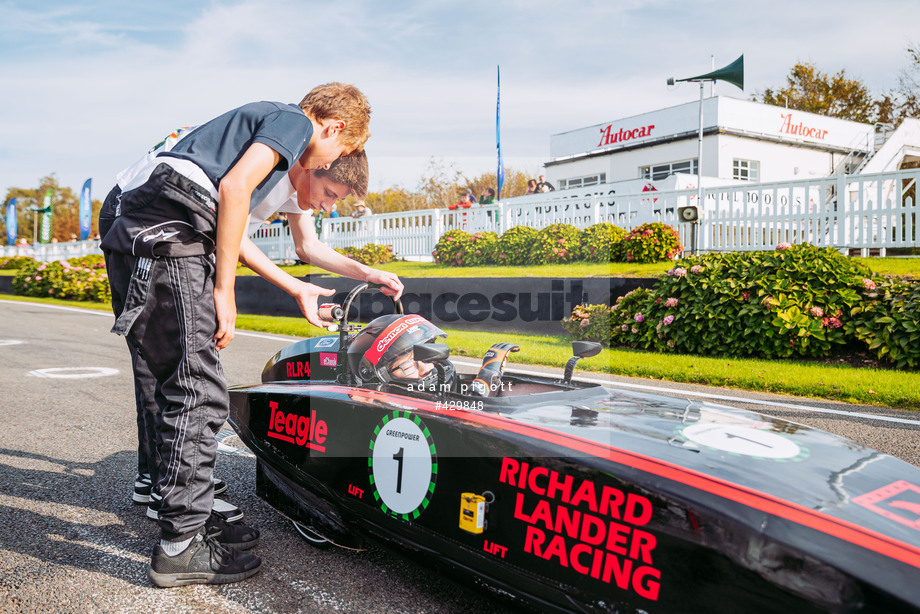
x=165, y=307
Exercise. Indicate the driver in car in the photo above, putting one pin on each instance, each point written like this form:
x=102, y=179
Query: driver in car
x=382, y=352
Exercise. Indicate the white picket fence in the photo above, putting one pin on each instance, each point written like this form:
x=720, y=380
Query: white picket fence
x=865, y=212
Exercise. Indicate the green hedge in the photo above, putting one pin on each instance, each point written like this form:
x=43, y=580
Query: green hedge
x=796, y=301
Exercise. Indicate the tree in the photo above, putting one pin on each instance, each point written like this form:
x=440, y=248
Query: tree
x=906, y=97
x=65, y=218
x=808, y=89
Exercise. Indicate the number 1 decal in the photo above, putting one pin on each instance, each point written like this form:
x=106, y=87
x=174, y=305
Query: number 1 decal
x=398, y=457
x=402, y=488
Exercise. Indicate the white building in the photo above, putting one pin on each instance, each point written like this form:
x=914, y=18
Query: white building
x=742, y=141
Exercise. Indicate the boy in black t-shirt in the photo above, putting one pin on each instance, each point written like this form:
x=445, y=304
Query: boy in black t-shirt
x=172, y=251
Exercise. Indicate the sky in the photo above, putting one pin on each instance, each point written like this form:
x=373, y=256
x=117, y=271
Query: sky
x=87, y=87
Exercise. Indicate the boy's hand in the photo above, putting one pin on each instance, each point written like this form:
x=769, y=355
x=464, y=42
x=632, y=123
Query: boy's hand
x=225, y=306
x=392, y=286
x=307, y=297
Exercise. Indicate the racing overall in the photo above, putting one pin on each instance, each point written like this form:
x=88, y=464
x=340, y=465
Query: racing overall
x=158, y=241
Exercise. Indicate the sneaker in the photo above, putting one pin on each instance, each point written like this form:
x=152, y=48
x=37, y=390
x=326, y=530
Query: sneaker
x=205, y=561
x=227, y=511
x=142, y=486
x=235, y=535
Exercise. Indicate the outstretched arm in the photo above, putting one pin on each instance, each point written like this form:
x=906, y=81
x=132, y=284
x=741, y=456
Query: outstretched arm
x=306, y=295
x=310, y=249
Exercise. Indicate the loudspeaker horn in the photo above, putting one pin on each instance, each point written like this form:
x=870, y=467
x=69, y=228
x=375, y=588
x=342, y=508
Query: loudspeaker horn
x=688, y=214
x=733, y=73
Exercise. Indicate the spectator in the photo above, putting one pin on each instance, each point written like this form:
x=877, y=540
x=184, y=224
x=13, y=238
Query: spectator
x=463, y=204
x=544, y=186
x=361, y=210
x=532, y=186
x=488, y=197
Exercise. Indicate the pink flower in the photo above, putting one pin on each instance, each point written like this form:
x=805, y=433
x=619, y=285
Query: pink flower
x=667, y=320
x=50, y=290
x=868, y=284
x=624, y=328
x=677, y=272
x=834, y=322
x=671, y=302
x=746, y=296
x=635, y=330
x=671, y=343
x=639, y=317
x=696, y=269
x=28, y=279
x=816, y=312
x=783, y=247
x=38, y=278
x=585, y=322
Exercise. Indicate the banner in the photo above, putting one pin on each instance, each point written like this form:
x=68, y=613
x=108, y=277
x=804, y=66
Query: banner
x=500, y=172
x=11, y=222
x=86, y=209
x=45, y=233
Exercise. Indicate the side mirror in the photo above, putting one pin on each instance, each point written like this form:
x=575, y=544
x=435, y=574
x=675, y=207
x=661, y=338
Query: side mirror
x=586, y=349
x=580, y=349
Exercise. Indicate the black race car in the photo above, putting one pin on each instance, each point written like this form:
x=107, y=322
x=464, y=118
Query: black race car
x=570, y=496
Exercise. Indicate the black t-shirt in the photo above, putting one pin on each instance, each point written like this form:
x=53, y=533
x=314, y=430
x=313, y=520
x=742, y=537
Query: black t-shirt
x=217, y=145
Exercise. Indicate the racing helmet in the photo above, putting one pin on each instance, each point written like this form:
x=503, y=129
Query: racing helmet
x=382, y=351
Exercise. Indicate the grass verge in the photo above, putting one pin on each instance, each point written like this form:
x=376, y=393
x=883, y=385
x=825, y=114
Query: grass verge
x=899, y=267
x=864, y=386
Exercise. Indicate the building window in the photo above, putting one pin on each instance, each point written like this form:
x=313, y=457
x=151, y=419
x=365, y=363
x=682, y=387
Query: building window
x=746, y=170
x=662, y=171
x=582, y=182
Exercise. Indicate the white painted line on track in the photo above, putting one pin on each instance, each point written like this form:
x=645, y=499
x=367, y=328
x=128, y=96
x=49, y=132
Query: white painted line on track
x=98, y=312
x=11, y=342
x=73, y=372
x=721, y=397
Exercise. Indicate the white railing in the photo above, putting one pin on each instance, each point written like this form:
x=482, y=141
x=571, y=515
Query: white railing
x=48, y=252
x=875, y=211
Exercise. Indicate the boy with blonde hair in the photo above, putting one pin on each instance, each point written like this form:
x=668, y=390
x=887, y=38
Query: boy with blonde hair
x=171, y=250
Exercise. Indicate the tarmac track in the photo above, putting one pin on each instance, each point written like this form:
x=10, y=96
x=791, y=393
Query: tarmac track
x=72, y=541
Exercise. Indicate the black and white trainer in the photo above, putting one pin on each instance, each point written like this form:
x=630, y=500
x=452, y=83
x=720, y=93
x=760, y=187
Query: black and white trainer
x=227, y=511
x=142, y=486
x=205, y=561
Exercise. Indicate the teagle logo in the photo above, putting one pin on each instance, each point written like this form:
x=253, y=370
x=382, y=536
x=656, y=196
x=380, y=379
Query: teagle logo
x=299, y=430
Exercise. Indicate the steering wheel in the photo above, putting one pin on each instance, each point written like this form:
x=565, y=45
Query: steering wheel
x=345, y=328
x=356, y=292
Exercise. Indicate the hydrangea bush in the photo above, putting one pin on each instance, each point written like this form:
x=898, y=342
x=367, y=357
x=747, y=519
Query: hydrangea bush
x=601, y=243
x=652, y=243
x=371, y=254
x=517, y=245
x=888, y=321
x=79, y=279
x=557, y=244
x=451, y=247
x=589, y=323
x=796, y=301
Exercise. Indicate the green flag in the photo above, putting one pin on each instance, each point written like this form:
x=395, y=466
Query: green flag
x=46, y=217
